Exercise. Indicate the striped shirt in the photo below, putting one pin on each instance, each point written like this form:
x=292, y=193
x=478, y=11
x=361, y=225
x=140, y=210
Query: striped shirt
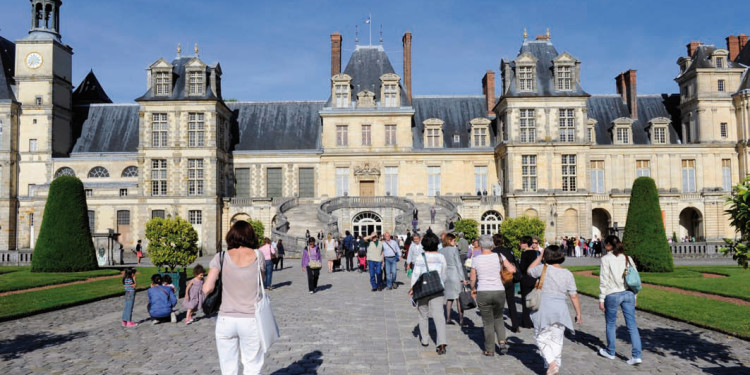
x=128, y=284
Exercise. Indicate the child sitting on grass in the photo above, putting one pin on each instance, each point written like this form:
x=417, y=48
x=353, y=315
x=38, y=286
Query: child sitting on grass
x=194, y=293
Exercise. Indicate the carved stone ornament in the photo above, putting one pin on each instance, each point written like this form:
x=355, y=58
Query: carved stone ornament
x=366, y=170
x=366, y=99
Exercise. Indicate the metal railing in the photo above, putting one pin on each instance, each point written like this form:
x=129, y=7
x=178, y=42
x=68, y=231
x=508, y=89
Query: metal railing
x=452, y=215
x=402, y=222
x=696, y=249
x=15, y=257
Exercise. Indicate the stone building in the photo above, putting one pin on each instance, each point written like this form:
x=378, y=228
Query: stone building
x=544, y=147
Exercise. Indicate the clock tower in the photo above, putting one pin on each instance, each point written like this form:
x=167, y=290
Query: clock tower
x=43, y=77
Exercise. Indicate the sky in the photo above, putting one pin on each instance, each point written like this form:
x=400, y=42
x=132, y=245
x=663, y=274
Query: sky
x=280, y=50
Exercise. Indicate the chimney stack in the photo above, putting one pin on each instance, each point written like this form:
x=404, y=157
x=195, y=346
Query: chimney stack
x=735, y=44
x=335, y=54
x=407, y=64
x=488, y=88
x=620, y=81
x=632, y=96
x=743, y=41
x=692, y=47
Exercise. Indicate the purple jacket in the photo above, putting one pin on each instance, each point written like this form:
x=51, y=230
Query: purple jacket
x=306, y=257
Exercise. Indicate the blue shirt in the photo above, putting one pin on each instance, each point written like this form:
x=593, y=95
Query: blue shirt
x=161, y=299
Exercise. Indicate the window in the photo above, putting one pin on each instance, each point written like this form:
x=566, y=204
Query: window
x=38, y=100
x=342, y=95
x=568, y=172
x=366, y=135
x=719, y=62
x=65, y=171
x=159, y=130
x=274, y=182
x=480, y=179
x=242, y=182
x=92, y=220
x=33, y=121
x=162, y=83
x=490, y=223
x=456, y=138
x=567, y=125
x=196, y=127
x=643, y=168
x=195, y=217
x=31, y=219
x=342, y=135
x=157, y=213
x=622, y=135
x=590, y=138
x=721, y=85
x=195, y=176
x=688, y=176
x=390, y=92
x=564, y=78
x=526, y=78
x=158, y=177
x=123, y=192
x=528, y=126
x=391, y=180
x=89, y=193
x=98, y=172
x=597, y=176
x=528, y=172
x=342, y=181
x=390, y=135
x=32, y=145
x=726, y=174
x=131, y=171
x=123, y=217
x=195, y=83
x=433, y=181
x=433, y=138
x=660, y=135
x=723, y=130
x=480, y=137
x=306, y=183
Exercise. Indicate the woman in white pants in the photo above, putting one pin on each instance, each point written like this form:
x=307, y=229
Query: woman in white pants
x=236, y=335
x=431, y=305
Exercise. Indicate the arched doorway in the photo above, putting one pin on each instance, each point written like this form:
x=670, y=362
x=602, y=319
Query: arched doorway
x=691, y=224
x=490, y=223
x=600, y=222
x=367, y=222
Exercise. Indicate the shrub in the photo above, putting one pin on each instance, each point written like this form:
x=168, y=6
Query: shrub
x=258, y=228
x=515, y=228
x=740, y=219
x=64, y=243
x=469, y=227
x=172, y=242
x=644, y=238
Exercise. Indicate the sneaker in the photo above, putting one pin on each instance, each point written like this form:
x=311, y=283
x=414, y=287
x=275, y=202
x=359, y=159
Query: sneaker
x=634, y=361
x=131, y=324
x=189, y=321
x=154, y=321
x=124, y=323
x=603, y=352
x=173, y=318
x=311, y=292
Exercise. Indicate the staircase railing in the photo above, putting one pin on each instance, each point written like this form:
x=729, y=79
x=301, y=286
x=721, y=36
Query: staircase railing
x=293, y=245
x=402, y=221
x=452, y=209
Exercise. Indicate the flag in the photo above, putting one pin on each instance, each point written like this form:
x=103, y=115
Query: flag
x=367, y=20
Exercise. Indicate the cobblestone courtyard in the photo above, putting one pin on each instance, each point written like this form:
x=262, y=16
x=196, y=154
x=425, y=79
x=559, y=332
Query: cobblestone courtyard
x=343, y=329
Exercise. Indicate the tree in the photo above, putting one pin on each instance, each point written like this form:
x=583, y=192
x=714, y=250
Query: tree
x=739, y=212
x=515, y=228
x=64, y=243
x=469, y=227
x=172, y=242
x=258, y=228
x=644, y=238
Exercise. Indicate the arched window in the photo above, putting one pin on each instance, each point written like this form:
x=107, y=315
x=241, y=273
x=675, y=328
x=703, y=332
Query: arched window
x=131, y=171
x=65, y=171
x=367, y=222
x=98, y=172
x=490, y=223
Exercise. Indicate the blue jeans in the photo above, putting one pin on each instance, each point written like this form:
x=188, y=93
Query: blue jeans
x=390, y=270
x=269, y=273
x=127, y=312
x=375, y=268
x=612, y=302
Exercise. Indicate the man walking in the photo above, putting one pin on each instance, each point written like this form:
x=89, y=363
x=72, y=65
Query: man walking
x=391, y=251
x=463, y=245
x=349, y=251
x=432, y=214
x=374, y=260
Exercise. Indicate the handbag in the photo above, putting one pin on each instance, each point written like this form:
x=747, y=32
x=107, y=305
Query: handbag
x=631, y=276
x=313, y=264
x=428, y=284
x=265, y=322
x=505, y=275
x=212, y=302
x=466, y=300
x=467, y=263
x=534, y=298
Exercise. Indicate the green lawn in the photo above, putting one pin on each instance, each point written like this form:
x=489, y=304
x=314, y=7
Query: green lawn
x=19, y=278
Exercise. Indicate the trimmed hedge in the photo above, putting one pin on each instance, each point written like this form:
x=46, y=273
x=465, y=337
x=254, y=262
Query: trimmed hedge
x=645, y=239
x=469, y=227
x=513, y=228
x=64, y=243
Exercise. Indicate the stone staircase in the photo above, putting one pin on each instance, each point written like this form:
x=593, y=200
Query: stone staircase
x=441, y=215
x=303, y=217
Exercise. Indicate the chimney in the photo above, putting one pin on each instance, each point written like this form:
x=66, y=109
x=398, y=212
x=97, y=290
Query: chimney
x=733, y=46
x=335, y=54
x=620, y=81
x=632, y=97
x=488, y=88
x=743, y=41
x=692, y=47
x=407, y=64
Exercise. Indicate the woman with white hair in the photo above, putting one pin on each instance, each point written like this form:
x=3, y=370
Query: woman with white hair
x=487, y=287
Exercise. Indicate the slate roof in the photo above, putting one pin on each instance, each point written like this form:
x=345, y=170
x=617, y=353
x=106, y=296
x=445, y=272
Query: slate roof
x=701, y=59
x=606, y=108
x=544, y=51
x=7, y=67
x=90, y=91
x=365, y=66
x=455, y=111
x=179, y=78
x=276, y=125
x=109, y=128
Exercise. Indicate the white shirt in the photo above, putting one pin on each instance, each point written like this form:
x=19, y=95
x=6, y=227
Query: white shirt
x=391, y=248
x=610, y=275
x=435, y=262
x=415, y=251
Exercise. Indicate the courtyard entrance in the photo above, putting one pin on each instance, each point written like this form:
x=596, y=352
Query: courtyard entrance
x=691, y=223
x=367, y=222
x=600, y=223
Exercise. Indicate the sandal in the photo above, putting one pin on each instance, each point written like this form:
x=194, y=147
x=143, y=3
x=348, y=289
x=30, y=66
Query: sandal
x=503, y=347
x=441, y=349
x=488, y=354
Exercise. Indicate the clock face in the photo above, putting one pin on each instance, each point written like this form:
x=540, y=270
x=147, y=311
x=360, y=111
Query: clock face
x=34, y=60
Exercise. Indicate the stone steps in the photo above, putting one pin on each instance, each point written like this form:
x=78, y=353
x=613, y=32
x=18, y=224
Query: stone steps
x=304, y=217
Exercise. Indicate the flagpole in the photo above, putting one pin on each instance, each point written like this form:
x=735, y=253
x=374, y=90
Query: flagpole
x=370, y=19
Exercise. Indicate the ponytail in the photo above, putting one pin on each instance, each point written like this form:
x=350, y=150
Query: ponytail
x=617, y=246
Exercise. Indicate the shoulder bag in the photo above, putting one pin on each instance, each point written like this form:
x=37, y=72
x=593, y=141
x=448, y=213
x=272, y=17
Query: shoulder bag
x=428, y=284
x=466, y=300
x=265, y=322
x=313, y=264
x=534, y=298
x=631, y=276
x=505, y=275
x=212, y=302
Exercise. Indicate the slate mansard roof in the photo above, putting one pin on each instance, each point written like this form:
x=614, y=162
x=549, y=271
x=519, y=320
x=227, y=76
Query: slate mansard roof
x=276, y=125
x=544, y=85
x=606, y=108
x=456, y=113
x=109, y=128
x=7, y=67
x=365, y=66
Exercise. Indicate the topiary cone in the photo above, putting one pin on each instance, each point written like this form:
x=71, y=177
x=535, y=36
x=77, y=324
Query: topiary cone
x=64, y=243
x=645, y=239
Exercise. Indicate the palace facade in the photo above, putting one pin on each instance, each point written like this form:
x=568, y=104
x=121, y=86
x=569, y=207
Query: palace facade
x=539, y=146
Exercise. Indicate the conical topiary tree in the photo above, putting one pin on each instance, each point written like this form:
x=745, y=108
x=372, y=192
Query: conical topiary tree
x=645, y=239
x=64, y=243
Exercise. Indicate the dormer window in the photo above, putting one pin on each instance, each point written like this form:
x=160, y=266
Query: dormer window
x=564, y=78
x=390, y=93
x=480, y=132
x=591, y=131
x=659, y=130
x=526, y=78
x=196, y=83
x=433, y=133
x=341, y=90
x=342, y=95
x=719, y=62
x=622, y=136
x=163, y=83
x=621, y=132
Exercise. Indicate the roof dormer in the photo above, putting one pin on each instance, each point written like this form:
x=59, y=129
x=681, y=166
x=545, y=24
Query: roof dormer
x=389, y=90
x=433, y=133
x=566, y=71
x=526, y=72
x=621, y=129
x=341, y=90
x=195, y=74
x=160, y=78
x=719, y=58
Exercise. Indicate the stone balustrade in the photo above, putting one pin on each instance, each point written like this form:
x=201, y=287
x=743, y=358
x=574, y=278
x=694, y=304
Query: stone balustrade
x=15, y=257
